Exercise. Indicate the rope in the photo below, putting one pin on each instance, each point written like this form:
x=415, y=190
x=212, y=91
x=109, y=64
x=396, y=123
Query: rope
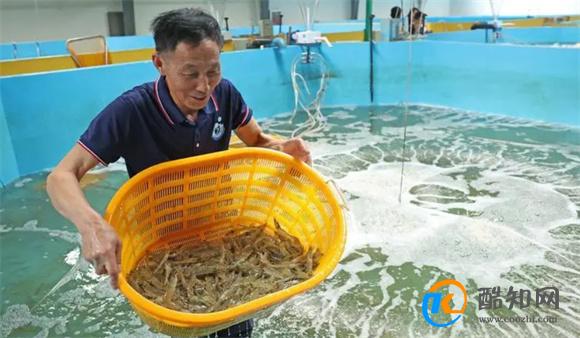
x=408, y=90
x=315, y=120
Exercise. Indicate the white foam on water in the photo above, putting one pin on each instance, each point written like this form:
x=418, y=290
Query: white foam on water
x=509, y=186
x=22, y=182
x=32, y=226
x=320, y=306
x=511, y=230
x=72, y=257
x=19, y=315
x=340, y=115
x=480, y=248
x=119, y=165
x=352, y=142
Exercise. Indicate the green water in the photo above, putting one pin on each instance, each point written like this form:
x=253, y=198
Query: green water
x=486, y=200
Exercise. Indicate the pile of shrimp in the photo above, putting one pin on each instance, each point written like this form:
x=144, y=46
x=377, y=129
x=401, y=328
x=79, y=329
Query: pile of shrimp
x=205, y=277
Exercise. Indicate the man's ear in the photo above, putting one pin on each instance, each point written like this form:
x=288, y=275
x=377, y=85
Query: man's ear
x=159, y=63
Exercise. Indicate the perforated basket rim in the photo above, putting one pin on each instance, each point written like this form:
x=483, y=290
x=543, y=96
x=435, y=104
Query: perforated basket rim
x=183, y=319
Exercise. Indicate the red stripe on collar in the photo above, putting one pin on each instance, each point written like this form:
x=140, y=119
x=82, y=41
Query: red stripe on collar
x=160, y=104
x=217, y=108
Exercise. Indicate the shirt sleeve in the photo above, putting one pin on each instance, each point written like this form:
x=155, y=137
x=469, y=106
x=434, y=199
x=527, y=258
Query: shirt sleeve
x=241, y=113
x=106, y=135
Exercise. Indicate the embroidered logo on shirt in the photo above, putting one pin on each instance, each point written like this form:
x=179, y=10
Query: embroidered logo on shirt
x=218, y=130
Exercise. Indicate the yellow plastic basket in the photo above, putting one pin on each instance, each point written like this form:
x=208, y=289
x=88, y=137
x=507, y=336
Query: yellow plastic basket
x=203, y=198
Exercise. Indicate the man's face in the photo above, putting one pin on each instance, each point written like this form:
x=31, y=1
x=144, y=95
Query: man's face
x=191, y=73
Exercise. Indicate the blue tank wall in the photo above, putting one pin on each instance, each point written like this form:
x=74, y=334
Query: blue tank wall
x=32, y=49
x=44, y=114
x=535, y=35
x=26, y=50
x=528, y=82
x=9, y=167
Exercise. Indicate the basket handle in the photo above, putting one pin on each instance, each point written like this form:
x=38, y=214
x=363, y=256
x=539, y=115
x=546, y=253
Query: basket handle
x=339, y=192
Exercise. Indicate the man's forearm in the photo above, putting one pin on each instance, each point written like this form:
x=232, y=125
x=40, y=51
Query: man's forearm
x=267, y=141
x=69, y=200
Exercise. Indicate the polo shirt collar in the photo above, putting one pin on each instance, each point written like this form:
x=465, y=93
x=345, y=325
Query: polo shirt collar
x=169, y=109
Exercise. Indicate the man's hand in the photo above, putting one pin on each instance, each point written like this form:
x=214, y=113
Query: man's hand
x=100, y=244
x=102, y=248
x=296, y=147
x=252, y=135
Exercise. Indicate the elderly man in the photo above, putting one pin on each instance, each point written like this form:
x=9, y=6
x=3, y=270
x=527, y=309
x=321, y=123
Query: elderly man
x=189, y=110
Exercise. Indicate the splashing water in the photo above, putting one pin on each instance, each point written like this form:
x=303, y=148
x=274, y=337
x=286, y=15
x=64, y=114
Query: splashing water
x=487, y=200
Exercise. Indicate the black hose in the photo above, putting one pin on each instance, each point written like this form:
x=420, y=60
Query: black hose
x=280, y=26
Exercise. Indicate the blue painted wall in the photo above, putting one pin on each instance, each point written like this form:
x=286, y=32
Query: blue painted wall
x=41, y=127
x=529, y=82
x=44, y=114
x=542, y=35
x=32, y=49
x=119, y=43
x=8, y=164
x=475, y=18
x=26, y=50
x=536, y=35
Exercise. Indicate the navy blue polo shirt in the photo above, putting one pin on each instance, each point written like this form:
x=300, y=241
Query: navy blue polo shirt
x=145, y=127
